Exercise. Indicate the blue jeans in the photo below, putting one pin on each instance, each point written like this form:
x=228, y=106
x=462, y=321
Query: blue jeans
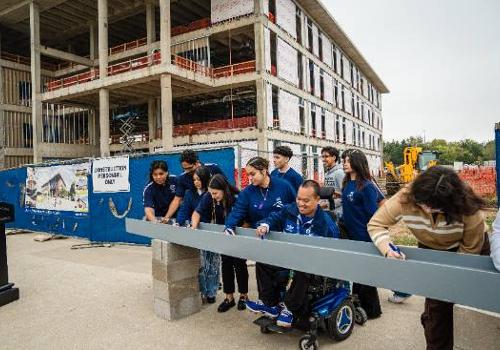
x=209, y=273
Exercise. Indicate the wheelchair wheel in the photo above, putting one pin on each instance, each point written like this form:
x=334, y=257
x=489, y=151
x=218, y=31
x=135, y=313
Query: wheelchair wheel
x=341, y=322
x=307, y=343
x=360, y=315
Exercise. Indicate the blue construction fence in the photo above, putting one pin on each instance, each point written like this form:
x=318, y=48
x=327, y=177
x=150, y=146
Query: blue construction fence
x=100, y=224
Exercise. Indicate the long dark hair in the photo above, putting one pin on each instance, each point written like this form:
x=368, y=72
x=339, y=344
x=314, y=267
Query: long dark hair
x=219, y=182
x=441, y=188
x=359, y=164
x=204, y=174
x=157, y=164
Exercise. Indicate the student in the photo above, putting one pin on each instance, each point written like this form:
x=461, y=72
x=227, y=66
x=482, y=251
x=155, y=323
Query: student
x=201, y=178
x=216, y=206
x=189, y=162
x=495, y=242
x=360, y=197
x=334, y=175
x=304, y=217
x=281, y=159
x=159, y=192
x=210, y=262
x=443, y=213
x=257, y=201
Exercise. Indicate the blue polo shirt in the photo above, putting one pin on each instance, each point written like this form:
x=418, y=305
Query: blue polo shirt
x=185, y=181
x=159, y=197
x=358, y=206
x=210, y=210
x=189, y=203
x=293, y=177
x=255, y=203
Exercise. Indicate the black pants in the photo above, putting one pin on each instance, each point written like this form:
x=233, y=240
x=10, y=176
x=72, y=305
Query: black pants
x=271, y=283
x=368, y=298
x=230, y=267
x=296, y=296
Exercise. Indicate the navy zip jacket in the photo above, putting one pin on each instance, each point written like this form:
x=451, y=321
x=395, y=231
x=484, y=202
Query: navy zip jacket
x=289, y=220
x=159, y=197
x=189, y=203
x=358, y=207
x=185, y=181
x=293, y=177
x=255, y=203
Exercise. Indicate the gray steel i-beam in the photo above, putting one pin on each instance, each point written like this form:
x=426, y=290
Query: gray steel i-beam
x=469, y=280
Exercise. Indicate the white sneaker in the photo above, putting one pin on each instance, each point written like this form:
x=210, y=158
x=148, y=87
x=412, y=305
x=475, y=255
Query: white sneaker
x=397, y=299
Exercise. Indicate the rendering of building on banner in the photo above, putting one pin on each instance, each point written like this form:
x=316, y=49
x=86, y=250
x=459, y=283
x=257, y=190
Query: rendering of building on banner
x=105, y=77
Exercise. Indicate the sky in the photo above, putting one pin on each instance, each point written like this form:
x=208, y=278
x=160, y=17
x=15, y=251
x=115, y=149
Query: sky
x=440, y=60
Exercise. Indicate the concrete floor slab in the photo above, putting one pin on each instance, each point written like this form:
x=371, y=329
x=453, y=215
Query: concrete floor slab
x=101, y=298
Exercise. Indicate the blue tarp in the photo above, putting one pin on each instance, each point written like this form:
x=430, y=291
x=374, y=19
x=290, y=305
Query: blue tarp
x=100, y=224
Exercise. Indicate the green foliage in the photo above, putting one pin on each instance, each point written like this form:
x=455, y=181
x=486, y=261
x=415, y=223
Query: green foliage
x=467, y=151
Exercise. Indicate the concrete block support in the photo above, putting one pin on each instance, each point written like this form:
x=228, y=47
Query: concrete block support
x=36, y=80
x=167, y=122
x=175, y=280
x=475, y=329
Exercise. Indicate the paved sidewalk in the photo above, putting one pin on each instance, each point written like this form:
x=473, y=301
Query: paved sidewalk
x=101, y=298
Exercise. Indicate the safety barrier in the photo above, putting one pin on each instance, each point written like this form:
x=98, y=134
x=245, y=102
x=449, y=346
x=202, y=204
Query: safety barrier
x=195, y=25
x=234, y=69
x=481, y=179
x=464, y=279
x=191, y=65
x=217, y=125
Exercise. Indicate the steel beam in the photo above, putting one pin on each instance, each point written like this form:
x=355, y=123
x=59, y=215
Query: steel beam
x=463, y=279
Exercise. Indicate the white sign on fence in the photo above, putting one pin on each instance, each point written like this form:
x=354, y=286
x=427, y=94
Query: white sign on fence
x=110, y=175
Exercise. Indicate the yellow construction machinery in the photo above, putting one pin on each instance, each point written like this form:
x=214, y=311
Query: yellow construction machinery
x=415, y=160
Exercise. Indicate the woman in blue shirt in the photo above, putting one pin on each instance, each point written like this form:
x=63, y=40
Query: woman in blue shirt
x=360, y=198
x=210, y=262
x=214, y=207
x=256, y=202
x=159, y=192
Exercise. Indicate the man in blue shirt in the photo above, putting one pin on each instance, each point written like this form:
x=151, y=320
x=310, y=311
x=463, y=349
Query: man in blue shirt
x=189, y=162
x=281, y=158
x=304, y=217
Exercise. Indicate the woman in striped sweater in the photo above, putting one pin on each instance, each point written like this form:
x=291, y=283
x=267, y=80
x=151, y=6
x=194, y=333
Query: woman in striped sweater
x=443, y=213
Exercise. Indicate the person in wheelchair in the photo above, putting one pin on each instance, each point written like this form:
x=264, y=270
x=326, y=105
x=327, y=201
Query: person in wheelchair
x=303, y=217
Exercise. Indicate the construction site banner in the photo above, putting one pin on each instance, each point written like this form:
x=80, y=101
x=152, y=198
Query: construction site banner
x=288, y=111
x=286, y=16
x=110, y=175
x=58, y=188
x=287, y=62
x=222, y=10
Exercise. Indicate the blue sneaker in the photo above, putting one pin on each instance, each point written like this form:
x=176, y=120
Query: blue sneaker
x=285, y=318
x=259, y=307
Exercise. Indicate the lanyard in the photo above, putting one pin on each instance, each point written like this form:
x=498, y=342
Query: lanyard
x=264, y=197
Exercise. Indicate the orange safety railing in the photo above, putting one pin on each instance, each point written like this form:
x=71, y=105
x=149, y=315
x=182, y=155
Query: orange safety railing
x=217, y=125
x=191, y=65
x=199, y=24
x=238, y=68
x=128, y=46
x=271, y=17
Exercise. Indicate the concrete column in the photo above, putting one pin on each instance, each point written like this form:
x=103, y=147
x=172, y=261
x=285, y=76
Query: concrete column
x=36, y=84
x=151, y=121
x=261, y=115
x=150, y=22
x=259, y=7
x=260, y=54
x=167, y=121
x=165, y=38
x=93, y=41
x=175, y=280
x=102, y=24
x=104, y=122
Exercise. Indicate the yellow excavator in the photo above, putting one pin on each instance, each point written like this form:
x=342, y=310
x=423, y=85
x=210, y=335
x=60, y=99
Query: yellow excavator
x=415, y=160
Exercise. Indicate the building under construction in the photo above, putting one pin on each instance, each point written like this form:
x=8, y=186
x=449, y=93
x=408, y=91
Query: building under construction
x=87, y=78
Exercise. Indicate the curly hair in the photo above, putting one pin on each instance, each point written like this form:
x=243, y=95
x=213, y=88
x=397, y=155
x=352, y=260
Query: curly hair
x=440, y=188
x=284, y=151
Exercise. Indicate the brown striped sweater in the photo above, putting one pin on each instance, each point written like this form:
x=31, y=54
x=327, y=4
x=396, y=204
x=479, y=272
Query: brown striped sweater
x=467, y=236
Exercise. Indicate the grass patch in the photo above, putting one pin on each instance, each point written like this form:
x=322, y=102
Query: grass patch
x=407, y=240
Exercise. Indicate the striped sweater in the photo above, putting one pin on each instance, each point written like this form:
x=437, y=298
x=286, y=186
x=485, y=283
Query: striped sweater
x=466, y=236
